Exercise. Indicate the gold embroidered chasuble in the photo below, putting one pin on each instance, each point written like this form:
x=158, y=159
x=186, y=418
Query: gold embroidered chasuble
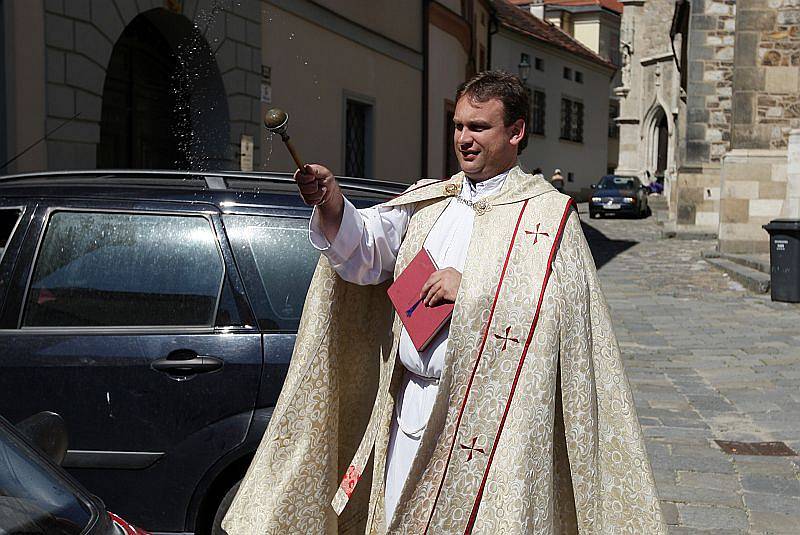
x=533, y=430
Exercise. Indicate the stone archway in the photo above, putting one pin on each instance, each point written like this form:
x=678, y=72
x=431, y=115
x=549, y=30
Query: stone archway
x=164, y=102
x=657, y=133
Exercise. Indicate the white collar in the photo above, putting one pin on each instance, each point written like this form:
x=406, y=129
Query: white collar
x=474, y=190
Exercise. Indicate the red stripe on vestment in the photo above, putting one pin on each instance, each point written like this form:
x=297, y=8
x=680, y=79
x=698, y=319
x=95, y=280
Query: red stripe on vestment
x=548, y=271
x=477, y=361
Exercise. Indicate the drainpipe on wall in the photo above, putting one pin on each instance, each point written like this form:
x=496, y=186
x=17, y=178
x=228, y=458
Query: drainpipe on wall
x=425, y=45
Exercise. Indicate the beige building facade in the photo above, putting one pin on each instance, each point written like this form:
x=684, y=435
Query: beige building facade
x=569, y=85
x=351, y=79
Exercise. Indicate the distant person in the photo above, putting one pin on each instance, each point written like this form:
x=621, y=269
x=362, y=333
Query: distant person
x=557, y=180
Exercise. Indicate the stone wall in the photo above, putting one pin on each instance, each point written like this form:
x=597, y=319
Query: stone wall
x=766, y=106
x=753, y=192
x=80, y=36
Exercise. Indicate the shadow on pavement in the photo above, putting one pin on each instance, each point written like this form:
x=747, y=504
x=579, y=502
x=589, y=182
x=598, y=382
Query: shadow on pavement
x=603, y=248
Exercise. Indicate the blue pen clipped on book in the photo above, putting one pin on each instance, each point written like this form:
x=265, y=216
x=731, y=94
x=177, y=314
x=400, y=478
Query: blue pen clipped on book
x=413, y=308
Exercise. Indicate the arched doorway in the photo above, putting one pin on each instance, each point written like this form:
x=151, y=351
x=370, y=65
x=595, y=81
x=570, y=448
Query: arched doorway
x=164, y=103
x=662, y=146
x=656, y=132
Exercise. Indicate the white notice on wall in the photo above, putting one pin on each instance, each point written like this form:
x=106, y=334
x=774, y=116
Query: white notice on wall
x=266, y=93
x=246, y=152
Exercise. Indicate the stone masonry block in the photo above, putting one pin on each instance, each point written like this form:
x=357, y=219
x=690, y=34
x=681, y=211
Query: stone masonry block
x=789, y=17
x=706, y=219
x=106, y=17
x=765, y=207
x=686, y=213
x=750, y=171
x=703, y=22
x=749, y=79
x=254, y=34
x=68, y=155
x=234, y=81
x=90, y=106
x=254, y=85
x=734, y=210
x=746, y=53
x=239, y=108
x=782, y=79
x=755, y=20
x=127, y=9
x=779, y=172
x=85, y=74
x=54, y=6
x=60, y=101
x=772, y=190
x=77, y=130
x=255, y=111
x=55, y=65
x=59, y=32
x=77, y=9
x=235, y=27
x=695, y=131
x=696, y=70
x=740, y=189
x=226, y=55
x=697, y=115
x=718, y=8
x=697, y=151
x=243, y=58
x=743, y=108
x=93, y=44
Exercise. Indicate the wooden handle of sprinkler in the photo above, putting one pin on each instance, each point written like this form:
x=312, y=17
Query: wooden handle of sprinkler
x=295, y=156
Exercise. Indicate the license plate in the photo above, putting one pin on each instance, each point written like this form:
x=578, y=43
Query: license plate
x=611, y=206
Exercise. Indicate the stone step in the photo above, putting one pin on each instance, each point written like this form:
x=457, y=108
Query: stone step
x=752, y=279
x=754, y=261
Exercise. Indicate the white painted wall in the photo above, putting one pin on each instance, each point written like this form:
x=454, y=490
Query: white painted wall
x=586, y=160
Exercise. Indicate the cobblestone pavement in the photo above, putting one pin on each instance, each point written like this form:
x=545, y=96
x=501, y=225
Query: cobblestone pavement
x=707, y=360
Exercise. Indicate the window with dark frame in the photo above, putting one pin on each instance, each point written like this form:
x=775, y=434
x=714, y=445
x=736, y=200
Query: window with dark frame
x=571, y=120
x=357, y=138
x=567, y=73
x=537, y=112
x=579, y=77
x=108, y=269
x=539, y=64
x=482, y=58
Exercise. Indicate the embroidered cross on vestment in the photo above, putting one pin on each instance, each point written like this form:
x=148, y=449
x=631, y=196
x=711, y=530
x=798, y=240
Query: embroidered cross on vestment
x=536, y=234
x=506, y=339
x=471, y=448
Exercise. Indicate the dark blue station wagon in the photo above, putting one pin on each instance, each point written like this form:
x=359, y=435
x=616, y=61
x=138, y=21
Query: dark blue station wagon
x=156, y=312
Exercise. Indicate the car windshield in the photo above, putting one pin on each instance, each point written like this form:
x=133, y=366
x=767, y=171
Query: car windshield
x=33, y=497
x=617, y=182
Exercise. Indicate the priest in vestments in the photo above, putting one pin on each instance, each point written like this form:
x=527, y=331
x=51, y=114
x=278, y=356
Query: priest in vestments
x=517, y=418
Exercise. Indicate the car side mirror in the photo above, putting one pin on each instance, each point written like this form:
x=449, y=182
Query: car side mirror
x=48, y=432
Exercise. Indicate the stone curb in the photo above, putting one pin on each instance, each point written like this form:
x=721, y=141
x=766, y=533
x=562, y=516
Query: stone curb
x=750, y=278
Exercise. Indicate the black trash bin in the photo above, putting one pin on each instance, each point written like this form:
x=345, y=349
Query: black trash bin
x=784, y=259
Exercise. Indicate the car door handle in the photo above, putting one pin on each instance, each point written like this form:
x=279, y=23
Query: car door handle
x=187, y=366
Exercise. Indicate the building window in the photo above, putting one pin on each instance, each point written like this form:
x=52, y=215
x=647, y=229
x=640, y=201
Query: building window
x=358, y=142
x=571, y=120
x=613, y=127
x=539, y=63
x=567, y=73
x=570, y=177
x=537, y=113
x=579, y=77
x=482, y=58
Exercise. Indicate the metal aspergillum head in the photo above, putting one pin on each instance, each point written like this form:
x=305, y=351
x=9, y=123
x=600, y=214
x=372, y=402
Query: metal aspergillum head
x=276, y=121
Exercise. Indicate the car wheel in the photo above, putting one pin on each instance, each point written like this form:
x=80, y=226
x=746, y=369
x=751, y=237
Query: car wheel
x=216, y=527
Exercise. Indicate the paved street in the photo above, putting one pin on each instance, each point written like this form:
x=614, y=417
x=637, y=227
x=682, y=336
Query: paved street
x=707, y=360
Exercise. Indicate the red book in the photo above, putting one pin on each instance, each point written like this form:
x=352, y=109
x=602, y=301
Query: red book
x=421, y=322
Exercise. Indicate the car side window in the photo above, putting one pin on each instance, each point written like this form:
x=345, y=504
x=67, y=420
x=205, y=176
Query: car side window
x=100, y=269
x=8, y=222
x=285, y=262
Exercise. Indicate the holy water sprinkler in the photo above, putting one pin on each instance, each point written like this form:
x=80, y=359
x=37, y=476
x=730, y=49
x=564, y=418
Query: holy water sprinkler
x=276, y=121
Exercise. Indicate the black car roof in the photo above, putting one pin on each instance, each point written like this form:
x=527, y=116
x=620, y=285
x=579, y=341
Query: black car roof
x=197, y=186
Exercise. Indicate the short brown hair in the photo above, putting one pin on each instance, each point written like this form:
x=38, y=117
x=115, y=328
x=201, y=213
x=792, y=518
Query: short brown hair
x=505, y=87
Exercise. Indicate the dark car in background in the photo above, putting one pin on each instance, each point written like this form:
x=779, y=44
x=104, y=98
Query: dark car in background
x=37, y=496
x=617, y=194
x=156, y=312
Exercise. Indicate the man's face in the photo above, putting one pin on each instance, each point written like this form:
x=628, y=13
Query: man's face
x=485, y=147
